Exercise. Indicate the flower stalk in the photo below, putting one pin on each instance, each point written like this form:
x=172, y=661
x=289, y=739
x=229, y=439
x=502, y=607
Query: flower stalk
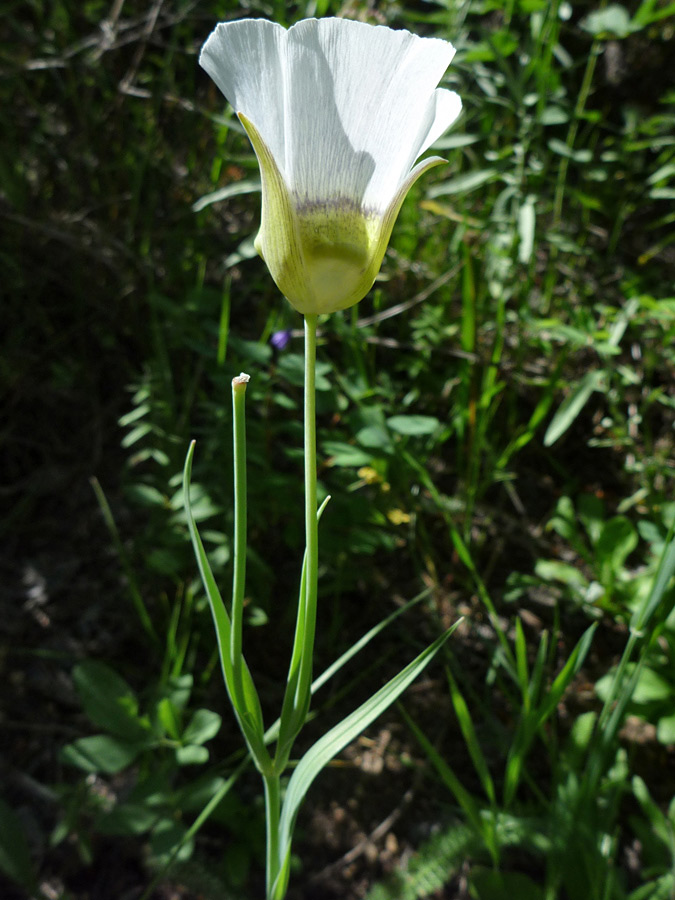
x=239, y=575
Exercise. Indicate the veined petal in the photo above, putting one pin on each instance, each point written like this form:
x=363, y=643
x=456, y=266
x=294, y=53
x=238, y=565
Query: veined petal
x=246, y=59
x=444, y=107
x=357, y=99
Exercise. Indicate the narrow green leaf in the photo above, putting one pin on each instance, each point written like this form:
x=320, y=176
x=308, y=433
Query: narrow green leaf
x=454, y=784
x=248, y=186
x=336, y=739
x=566, y=674
x=470, y=738
x=526, y=226
x=463, y=184
x=573, y=404
x=665, y=572
x=250, y=716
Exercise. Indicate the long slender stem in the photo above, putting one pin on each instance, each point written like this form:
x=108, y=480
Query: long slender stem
x=272, y=813
x=239, y=577
x=311, y=523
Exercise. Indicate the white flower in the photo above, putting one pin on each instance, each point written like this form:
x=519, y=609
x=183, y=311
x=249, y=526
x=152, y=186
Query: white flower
x=337, y=112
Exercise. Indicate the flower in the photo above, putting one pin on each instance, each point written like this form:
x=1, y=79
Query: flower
x=281, y=339
x=337, y=112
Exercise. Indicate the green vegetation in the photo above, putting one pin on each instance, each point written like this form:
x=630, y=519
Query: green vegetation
x=495, y=428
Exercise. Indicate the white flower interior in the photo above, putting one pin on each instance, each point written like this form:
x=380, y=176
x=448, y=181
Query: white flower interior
x=345, y=108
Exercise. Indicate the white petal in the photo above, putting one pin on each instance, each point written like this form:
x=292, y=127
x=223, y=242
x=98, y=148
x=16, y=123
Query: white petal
x=246, y=59
x=344, y=107
x=357, y=100
x=444, y=107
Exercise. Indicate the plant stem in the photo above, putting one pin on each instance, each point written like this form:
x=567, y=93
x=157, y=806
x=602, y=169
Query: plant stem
x=272, y=813
x=311, y=523
x=572, y=131
x=239, y=576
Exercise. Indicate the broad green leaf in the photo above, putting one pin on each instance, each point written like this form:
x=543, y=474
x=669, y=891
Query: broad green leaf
x=617, y=540
x=556, y=570
x=101, y=753
x=341, y=454
x=572, y=405
x=650, y=686
x=375, y=437
x=109, y=701
x=191, y=755
x=204, y=725
x=168, y=719
x=413, y=424
x=136, y=434
x=292, y=367
x=562, y=149
x=170, y=840
x=146, y=495
x=318, y=756
x=127, y=818
x=201, y=505
x=665, y=730
x=554, y=115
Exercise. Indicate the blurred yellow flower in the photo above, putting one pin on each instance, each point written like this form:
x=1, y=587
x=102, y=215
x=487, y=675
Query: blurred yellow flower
x=398, y=517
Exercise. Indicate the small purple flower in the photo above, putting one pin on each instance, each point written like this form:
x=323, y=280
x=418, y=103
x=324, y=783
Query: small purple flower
x=281, y=339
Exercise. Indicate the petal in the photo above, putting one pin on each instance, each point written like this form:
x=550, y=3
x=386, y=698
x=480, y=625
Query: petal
x=444, y=107
x=278, y=241
x=357, y=101
x=246, y=59
x=345, y=108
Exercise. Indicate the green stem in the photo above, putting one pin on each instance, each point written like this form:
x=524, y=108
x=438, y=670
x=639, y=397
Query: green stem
x=272, y=814
x=311, y=522
x=239, y=578
x=572, y=131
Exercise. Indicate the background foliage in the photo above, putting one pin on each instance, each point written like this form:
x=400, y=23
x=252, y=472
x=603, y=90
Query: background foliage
x=495, y=428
